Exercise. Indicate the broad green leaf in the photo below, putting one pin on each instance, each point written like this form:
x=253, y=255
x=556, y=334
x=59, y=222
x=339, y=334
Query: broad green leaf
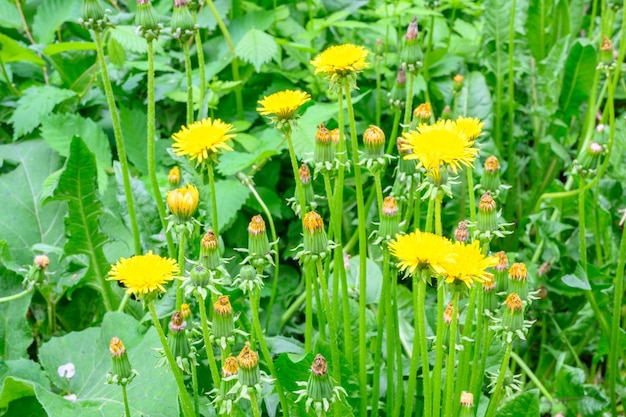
x=11, y=371
x=233, y=162
x=150, y=393
x=578, y=279
x=59, y=129
x=257, y=48
x=525, y=404
x=11, y=51
x=374, y=278
x=475, y=99
x=37, y=101
x=497, y=15
x=9, y=16
x=50, y=15
x=134, y=132
x=116, y=52
x=129, y=40
x=57, y=48
x=580, y=69
x=22, y=219
x=77, y=185
x=537, y=23
x=231, y=196
x=15, y=332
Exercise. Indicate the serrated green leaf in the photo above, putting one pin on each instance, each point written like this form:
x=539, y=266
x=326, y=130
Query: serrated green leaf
x=77, y=185
x=129, y=40
x=50, y=15
x=116, y=52
x=231, y=196
x=579, y=70
x=9, y=16
x=57, y=48
x=22, y=219
x=37, y=101
x=257, y=48
x=11, y=51
x=59, y=129
x=15, y=332
x=525, y=404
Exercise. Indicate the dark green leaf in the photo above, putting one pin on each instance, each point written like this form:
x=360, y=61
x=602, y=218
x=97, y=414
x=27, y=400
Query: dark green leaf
x=50, y=15
x=231, y=196
x=578, y=279
x=15, y=332
x=580, y=69
x=37, y=101
x=525, y=404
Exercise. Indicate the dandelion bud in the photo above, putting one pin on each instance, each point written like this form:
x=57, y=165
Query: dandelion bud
x=258, y=242
x=489, y=293
x=374, y=140
x=461, y=234
x=405, y=166
x=606, y=51
x=334, y=136
x=41, y=261
x=315, y=239
x=390, y=220
x=177, y=336
x=223, y=319
x=422, y=113
x=501, y=272
x=183, y=202
x=182, y=23
x=379, y=48
x=513, y=316
x=467, y=404
x=173, y=178
x=147, y=20
x=447, y=320
x=411, y=53
x=487, y=219
x=517, y=279
x=397, y=96
x=185, y=310
x=589, y=155
x=209, y=251
x=490, y=180
x=305, y=179
x=446, y=114
x=121, y=371
x=200, y=276
x=458, y=83
x=92, y=15
x=249, y=372
x=324, y=151
x=319, y=387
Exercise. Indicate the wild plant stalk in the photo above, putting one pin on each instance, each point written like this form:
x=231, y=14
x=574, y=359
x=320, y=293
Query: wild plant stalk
x=308, y=311
x=156, y=191
x=382, y=308
x=194, y=383
x=125, y=398
x=332, y=324
x=478, y=343
x=449, y=388
x=215, y=376
x=387, y=303
x=436, y=381
x=362, y=252
x=200, y=54
x=181, y=262
x=214, y=219
x=497, y=391
x=321, y=314
x=409, y=101
x=397, y=345
x=462, y=381
x=119, y=143
x=189, y=118
x=254, y=404
x=520, y=362
x=183, y=395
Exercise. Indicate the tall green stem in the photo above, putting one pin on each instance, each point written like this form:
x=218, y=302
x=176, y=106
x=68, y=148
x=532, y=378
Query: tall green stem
x=183, y=395
x=409, y=102
x=256, y=323
x=215, y=376
x=234, y=63
x=471, y=192
x=462, y=382
x=389, y=329
x=200, y=53
x=308, y=311
x=296, y=174
x=415, y=352
x=189, y=83
x=119, y=143
x=332, y=323
x=214, y=220
x=254, y=404
x=478, y=340
x=156, y=191
x=181, y=264
x=533, y=378
x=421, y=312
x=194, y=383
x=495, y=398
x=440, y=307
x=362, y=253
x=449, y=391
x=125, y=398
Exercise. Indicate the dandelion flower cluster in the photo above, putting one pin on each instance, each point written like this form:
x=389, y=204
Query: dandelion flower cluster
x=143, y=274
x=202, y=140
x=341, y=60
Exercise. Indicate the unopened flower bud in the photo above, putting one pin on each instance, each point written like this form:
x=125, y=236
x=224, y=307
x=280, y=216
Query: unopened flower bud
x=223, y=319
x=517, y=279
x=447, y=320
x=182, y=23
x=397, y=97
x=390, y=220
x=374, y=140
x=379, y=48
x=422, y=113
x=324, y=151
x=147, y=20
x=121, y=369
x=92, y=15
x=606, y=51
x=411, y=32
x=487, y=219
x=258, y=242
x=446, y=114
x=467, y=404
x=42, y=261
x=229, y=369
x=305, y=179
x=405, y=166
x=490, y=180
x=209, y=251
x=183, y=202
x=513, y=315
x=200, y=276
x=411, y=53
x=490, y=301
x=173, y=178
x=334, y=136
x=319, y=387
x=461, y=233
x=177, y=336
x=249, y=372
x=315, y=238
x=185, y=310
x=458, y=83
x=501, y=272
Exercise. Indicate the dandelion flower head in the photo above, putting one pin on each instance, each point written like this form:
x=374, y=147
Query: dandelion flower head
x=341, y=60
x=203, y=139
x=420, y=250
x=143, y=274
x=469, y=126
x=283, y=104
x=469, y=265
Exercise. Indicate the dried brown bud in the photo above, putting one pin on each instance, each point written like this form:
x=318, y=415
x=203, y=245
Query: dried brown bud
x=257, y=225
x=222, y=306
x=323, y=135
x=305, y=174
x=461, y=233
x=319, y=366
x=514, y=302
x=492, y=164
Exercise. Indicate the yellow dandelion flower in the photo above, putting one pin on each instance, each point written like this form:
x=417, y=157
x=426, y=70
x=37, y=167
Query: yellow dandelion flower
x=439, y=145
x=420, y=250
x=183, y=202
x=283, y=104
x=341, y=60
x=143, y=274
x=469, y=265
x=469, y=126
x=203, y=139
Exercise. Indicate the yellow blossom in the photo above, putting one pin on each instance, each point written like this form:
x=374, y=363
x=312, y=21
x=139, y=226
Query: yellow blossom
x=283, y=104
x=143, y=274
x=420, y=250
x=203, y=140
x=341, y=60
x=469, y=265
x=469, y=126
x=183, y=202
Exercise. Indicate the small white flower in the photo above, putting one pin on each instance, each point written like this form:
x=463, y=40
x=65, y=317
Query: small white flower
x=67, y=371
x=70, y=397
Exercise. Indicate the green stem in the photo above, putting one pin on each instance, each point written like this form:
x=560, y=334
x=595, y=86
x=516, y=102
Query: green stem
x=194, y=382
x=415, y=352
x=156, y=191
x=478, y=382
x=478, y=340
x=6, y=78
x=183, y=395
x=215, y=376
x=437, y=197
x=378, y=93
x=119, y=143
x=464, y=366
x=449, y=391
x=123, y=303
x=321, y=314
x=234, y=63
x=394, y=132
x=214, y=220
x=379, y=194
x=181, y=265
x=512, y=144
x=125, y=398
x=296, y=174
x=581, y=226
x=254, y=405
x=471, y=192
x=408, y=109
x=613, y=369
x=332, y=324
x=308, y=314
x=15, y=296
x=533, y=378
x=378, y=348
x=421, y=313
x=362, y=253
x=397, y=345
x=189, y=83
x=495, y=398
x=388, y=301
x=256, y=323
x=200, y=53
